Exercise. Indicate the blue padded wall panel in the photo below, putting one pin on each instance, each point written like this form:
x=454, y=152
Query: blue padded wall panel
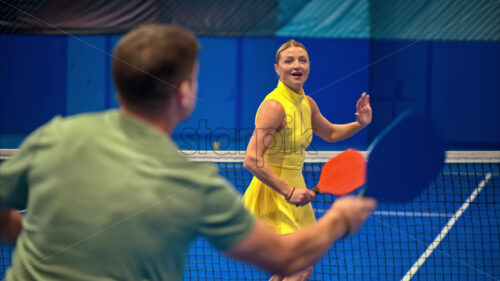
x=399, y=80
x=215, y=112
x=11, y=141
x=258, y=78
x=32, y=81
x=466, y=92
x=86, y=87
x=456, y=82
x=111, y=101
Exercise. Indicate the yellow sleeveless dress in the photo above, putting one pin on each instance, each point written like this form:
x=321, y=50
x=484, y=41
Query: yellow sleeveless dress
x=285, y=156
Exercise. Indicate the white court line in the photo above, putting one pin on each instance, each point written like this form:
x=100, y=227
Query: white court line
x=412, y=214
x=416, y=266
x=401, y=214
x=457, y=173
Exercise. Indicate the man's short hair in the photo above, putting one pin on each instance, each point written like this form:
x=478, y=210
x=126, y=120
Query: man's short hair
x=150, y=62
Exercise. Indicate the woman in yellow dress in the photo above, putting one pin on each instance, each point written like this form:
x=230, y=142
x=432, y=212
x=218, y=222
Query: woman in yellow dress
x=284, y=125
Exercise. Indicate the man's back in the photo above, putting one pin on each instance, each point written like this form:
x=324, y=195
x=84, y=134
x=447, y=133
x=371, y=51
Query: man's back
x=112, y=197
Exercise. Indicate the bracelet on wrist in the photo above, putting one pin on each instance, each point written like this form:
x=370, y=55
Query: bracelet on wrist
x=290, y=196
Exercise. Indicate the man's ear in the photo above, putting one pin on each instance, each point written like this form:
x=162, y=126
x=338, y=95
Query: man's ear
x=184, y=93
x=276, y=69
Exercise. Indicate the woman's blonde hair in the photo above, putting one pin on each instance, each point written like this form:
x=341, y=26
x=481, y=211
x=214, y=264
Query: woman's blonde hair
x=291, y=43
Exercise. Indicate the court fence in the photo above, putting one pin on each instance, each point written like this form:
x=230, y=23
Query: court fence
x=449, y=232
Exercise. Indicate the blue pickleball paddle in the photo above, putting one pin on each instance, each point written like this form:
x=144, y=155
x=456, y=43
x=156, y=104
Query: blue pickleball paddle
x=404, y=159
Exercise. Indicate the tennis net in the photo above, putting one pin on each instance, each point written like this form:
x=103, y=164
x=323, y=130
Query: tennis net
x=450, y=232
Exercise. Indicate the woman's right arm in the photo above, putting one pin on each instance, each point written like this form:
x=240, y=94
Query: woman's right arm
x=270, y=119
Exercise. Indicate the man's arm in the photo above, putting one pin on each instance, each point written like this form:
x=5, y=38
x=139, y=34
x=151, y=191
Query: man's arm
x=287, y=254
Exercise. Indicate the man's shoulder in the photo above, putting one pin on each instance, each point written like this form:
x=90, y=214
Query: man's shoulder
x=198, y=171
x=90, y=118
x=202, y=174
x=59, y=126
x=78, y=122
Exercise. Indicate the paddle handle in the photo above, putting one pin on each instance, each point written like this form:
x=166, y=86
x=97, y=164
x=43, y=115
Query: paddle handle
x=361, y=193
x=316, y=190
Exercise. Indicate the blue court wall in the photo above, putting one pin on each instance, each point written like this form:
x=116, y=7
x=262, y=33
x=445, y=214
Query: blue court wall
x=456, y=82
x=44, y=76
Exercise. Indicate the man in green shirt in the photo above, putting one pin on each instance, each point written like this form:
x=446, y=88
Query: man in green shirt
x=109, y=196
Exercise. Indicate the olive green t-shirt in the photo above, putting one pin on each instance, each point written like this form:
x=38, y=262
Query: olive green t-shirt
x=110, y=198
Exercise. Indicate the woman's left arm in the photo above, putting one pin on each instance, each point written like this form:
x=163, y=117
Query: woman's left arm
x=337, y=132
